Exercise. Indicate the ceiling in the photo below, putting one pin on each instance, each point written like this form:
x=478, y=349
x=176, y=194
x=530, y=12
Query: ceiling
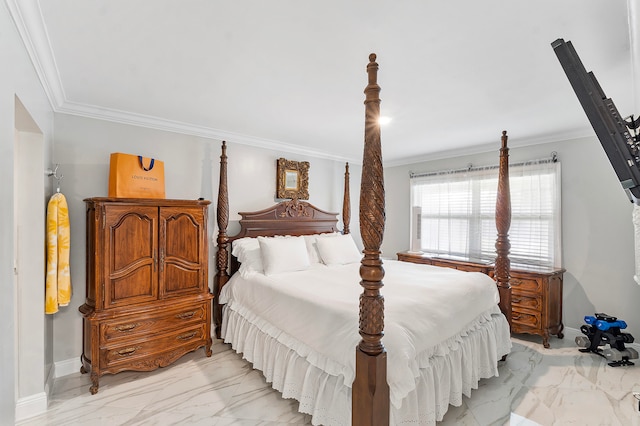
x=290, y=74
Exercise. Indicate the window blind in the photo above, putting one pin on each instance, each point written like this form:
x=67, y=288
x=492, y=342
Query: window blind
x=458, y=213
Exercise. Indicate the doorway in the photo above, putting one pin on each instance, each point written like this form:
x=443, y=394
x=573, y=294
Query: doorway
x=29, y=263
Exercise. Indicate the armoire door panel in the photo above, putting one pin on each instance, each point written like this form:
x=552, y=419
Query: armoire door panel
x=182, y=250
x=183, y=230
x=136, y=287
x=131, y=242
x=178, y=280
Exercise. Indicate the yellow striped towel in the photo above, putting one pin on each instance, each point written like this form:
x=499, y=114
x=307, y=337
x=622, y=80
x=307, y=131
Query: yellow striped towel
x=58, y=281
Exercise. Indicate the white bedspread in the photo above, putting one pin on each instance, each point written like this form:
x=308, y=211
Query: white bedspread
x=315, y=313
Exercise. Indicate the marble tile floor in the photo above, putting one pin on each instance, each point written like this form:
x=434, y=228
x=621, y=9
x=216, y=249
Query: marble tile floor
x=536, y=386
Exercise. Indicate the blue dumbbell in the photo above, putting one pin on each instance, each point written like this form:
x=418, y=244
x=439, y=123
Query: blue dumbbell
x=604, y=325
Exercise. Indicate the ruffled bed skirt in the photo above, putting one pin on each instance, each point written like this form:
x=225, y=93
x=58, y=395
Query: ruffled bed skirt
x=443, y=378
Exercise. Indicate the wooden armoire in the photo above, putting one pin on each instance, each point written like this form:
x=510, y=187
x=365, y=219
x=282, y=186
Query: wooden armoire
x=148, y=301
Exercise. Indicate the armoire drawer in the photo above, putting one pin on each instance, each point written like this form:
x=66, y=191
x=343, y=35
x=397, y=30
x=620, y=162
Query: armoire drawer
x=152, y=323
x=127, y=352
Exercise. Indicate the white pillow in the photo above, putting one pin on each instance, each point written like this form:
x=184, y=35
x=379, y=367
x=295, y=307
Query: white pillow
x=247, y=250
x=339, y=250
x=312, y=248
x=283, y=254
x=243, y=244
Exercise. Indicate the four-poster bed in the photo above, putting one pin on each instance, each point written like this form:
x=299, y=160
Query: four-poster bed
x=294, y=319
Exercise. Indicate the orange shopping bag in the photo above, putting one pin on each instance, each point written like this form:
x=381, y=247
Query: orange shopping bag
x=132, y=176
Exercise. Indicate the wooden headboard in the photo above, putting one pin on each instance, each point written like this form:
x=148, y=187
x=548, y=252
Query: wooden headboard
x=291, y=217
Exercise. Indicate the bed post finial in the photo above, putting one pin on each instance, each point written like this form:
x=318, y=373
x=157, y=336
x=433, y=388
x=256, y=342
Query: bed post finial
x=370, y=392
x=503, y=223
x=346, y=202
x=222, y=255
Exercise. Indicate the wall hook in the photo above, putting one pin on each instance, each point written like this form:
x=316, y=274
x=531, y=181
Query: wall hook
x=54, y=173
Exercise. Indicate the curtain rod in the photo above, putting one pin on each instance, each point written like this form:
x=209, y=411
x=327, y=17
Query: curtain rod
x=471, y=168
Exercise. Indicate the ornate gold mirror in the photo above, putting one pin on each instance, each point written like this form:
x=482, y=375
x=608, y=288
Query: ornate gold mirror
x=293, y=179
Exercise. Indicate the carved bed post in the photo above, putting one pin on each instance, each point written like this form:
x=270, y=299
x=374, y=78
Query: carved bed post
x=346, y=202
x=222, y=255
x=370, y=392
x=503, y=223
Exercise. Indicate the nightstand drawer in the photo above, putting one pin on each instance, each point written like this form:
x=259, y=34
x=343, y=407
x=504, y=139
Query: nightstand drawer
x=526, y=319
x=526, y=301
x=519, y=285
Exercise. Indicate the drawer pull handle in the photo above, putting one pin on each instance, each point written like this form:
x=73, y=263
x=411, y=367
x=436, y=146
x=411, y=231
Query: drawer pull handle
x=128, y=351
x=186, y=315
x=187, y=336
x=516, y=300
x=126, y=327
x=516, y=282
x=515, y=317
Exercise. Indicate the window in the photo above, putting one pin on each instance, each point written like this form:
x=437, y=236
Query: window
x=453, y=213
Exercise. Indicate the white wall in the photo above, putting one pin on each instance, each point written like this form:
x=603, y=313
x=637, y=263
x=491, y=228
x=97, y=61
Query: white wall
x=18, y=79
x=597, y=232
x=192, y=164
x=30, y=230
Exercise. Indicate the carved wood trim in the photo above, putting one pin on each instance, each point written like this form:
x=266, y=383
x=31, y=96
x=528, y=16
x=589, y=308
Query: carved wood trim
x=222, y=255
x=291, y=217
x=370, y=393
x=294, y=208
x=503, y=223
x=346, y=202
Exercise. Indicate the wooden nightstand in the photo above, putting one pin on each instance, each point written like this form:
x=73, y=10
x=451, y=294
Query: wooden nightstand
x=536, y=294
x=536, y=302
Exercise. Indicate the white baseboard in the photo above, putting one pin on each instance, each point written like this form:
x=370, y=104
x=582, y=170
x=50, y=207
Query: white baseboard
x=66, y=367
x=30, y=406
x=37, y=404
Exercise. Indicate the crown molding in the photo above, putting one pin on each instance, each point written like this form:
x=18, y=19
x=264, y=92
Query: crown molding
x=27, y=16
x=490, y=147
x=141, y=120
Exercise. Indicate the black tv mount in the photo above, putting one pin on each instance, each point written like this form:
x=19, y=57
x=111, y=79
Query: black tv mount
x=633, y=126
x=614, y=132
